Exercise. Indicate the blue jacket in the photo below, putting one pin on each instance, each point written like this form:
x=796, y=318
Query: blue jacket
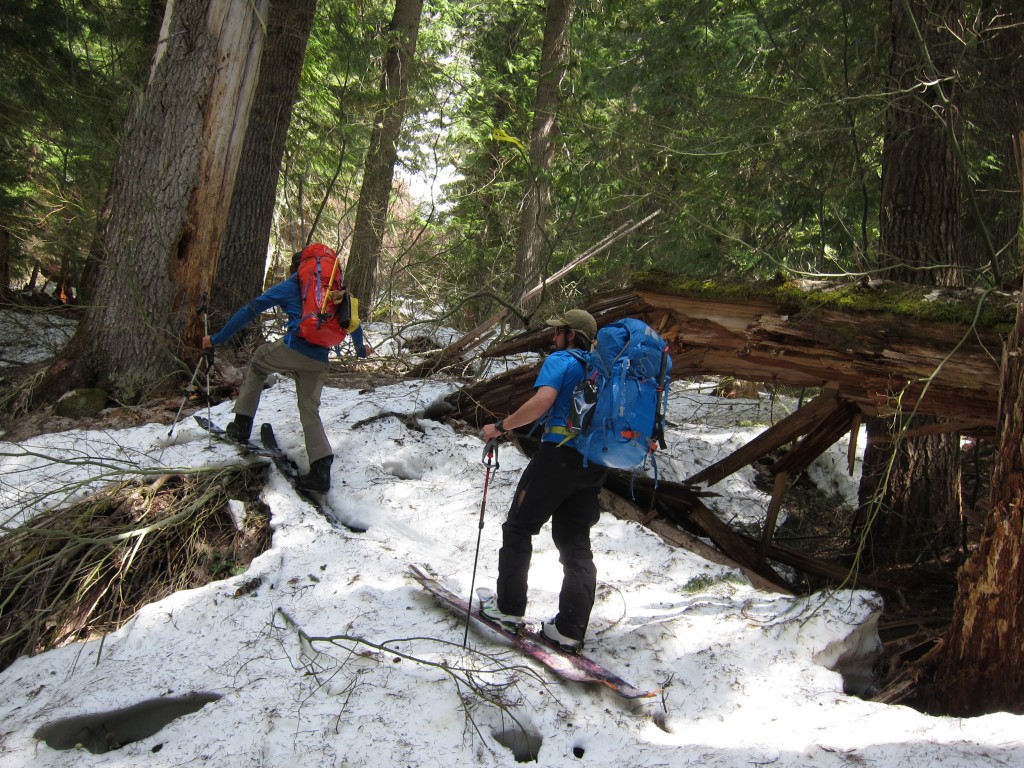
x=562, y=371
x=288, y=296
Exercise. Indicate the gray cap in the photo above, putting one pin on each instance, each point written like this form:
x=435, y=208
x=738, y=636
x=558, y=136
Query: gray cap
x=578, y=320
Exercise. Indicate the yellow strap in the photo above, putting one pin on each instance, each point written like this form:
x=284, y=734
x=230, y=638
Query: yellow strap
x=567, y=433
x=353, y=322
x=330, y=282
x=500, y=135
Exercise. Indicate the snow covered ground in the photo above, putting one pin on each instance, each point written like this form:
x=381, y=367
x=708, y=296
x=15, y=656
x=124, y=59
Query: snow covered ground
x=31, y=336
x=749, y=677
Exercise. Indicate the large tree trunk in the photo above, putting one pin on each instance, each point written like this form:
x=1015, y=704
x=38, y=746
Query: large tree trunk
x=981, y=663
x=243, y=256
x=995, y=107
x=379, y=172
x=910, y=496
x=910, y=489
x=921, y=181
x=532, y=248
x=5, y=262
x=173, y=182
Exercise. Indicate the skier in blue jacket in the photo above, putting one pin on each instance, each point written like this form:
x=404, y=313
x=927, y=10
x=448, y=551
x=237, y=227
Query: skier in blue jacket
x=554, y=486
x=306, y=363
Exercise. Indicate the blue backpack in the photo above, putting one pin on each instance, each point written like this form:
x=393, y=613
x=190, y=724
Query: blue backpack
x=618, y=410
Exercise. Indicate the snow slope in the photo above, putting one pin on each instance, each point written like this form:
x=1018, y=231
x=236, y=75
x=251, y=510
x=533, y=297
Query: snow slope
x=749, y=677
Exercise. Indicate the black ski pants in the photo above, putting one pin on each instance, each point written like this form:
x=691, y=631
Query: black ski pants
x=554, y=486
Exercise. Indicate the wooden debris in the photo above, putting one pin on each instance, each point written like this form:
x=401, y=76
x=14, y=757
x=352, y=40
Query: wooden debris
x=798, y=423
x=882, y=363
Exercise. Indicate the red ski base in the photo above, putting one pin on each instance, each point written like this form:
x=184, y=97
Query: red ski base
x=576, y=668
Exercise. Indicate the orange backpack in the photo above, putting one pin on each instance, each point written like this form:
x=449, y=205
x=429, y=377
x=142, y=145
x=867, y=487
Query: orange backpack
x=322, y=323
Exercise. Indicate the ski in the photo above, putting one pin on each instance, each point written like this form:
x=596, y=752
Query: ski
x=246, y=445
x=290, y=470
x=568, y=666
x=288, y=467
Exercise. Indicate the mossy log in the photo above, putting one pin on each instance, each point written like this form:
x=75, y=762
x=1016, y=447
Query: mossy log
x=899, y=349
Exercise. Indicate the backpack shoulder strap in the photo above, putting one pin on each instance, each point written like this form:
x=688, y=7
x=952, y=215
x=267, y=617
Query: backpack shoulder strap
x=581, y=357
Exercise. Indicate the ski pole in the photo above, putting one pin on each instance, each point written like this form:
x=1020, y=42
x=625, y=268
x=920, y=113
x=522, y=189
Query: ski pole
x=330, y=282
x=188, y=389
x=208, y=357
x=490, y=452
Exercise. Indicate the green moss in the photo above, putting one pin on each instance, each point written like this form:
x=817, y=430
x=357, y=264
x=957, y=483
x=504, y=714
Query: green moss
x=709, y=288
x=705, y=582
x=928, y=304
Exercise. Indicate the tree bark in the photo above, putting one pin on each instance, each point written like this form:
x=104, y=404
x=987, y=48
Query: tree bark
x=173, y=182
x=910, y=495
x=243, y=256
x=921, y=210
x=5, y=262
x=379, y=171
x=909, y=492
x=981, y=662
x=995, y=107
x=532, y=247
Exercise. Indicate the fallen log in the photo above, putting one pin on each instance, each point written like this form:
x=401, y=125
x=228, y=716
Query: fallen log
x=890, y=353
x=887, y=348
x=836, y=574
x=624, y=509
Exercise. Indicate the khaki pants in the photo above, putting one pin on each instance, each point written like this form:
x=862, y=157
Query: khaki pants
x=309, y=376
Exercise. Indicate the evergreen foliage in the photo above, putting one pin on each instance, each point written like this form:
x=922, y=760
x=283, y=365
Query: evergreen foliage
x=70, y=74
x=753, y=126
x=742, y=122
x=330, y=125
x=496, y=89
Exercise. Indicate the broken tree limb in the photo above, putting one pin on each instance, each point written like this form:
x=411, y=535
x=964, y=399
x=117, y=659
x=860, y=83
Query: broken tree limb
x=789, y=429
x=485, y=330
x=681, y=504
x=778, y=491
x=675, y=536
x=834, y=572
x=823, y=435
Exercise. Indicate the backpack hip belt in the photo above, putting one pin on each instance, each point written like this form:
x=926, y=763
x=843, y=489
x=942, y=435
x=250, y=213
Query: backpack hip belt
x=566, y=433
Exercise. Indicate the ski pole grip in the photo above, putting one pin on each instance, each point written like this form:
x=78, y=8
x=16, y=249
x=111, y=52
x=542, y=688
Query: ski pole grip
x=490, y=451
